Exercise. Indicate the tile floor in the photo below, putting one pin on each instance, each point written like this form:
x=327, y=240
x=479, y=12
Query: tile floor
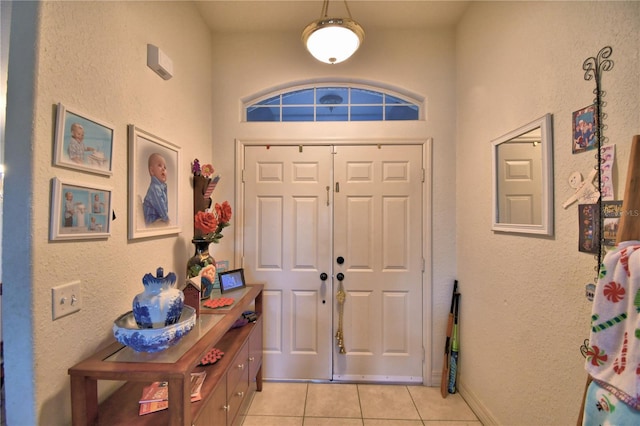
x=319, y=404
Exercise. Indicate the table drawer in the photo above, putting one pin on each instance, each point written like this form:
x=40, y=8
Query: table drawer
x=238, y=370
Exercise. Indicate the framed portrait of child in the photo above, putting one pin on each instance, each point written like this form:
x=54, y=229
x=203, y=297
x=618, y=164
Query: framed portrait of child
x=153, y=185
x=82, y=142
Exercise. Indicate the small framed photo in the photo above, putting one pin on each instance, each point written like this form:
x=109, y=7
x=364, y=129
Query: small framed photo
x=221, y=266
x=611, y=214
x=79, y=211
x=589, y=228
x=83, y=143
x=584, y=123
x=153, y=185
x=232, y=280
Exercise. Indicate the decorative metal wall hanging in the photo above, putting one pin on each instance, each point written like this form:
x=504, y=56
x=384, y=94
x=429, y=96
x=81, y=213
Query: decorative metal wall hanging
x=594, y=67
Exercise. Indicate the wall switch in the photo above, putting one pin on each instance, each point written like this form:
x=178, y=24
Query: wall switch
x=66, y=299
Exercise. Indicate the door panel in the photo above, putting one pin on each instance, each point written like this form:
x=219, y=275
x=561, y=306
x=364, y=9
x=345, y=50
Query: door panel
x=287, y=245
x=378, y=231
x=519, y=168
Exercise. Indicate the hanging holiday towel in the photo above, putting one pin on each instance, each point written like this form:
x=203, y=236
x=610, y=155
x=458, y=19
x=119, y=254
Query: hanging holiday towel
x=613, y=357
x=603, y=408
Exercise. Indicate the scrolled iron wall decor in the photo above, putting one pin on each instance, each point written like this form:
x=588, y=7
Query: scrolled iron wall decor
x=594, y=67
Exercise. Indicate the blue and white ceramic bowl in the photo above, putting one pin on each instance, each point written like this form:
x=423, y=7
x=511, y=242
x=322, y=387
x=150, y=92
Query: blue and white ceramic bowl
x=127, y=332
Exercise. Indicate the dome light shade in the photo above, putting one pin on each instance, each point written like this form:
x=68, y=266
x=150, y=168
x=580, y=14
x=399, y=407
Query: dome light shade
x=332, y=40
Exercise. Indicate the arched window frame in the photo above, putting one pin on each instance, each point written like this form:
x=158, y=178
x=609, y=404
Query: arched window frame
x=393, y=105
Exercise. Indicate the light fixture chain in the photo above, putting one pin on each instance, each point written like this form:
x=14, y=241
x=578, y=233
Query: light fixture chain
x=348, y=11
x=325, y=9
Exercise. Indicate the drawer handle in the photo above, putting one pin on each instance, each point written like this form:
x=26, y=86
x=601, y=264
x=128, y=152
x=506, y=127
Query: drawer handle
x=226, y=407
x=240, y=366
x=240, y=394
x=251, y=359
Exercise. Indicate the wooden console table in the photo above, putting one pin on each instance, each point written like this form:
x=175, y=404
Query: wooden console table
x=227, y=387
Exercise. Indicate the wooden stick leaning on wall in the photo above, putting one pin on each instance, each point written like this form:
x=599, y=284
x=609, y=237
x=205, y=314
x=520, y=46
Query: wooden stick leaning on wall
x=629, y=226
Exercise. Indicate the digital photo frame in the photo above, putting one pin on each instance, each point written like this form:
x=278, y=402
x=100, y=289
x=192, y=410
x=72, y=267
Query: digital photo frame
x=232, y=280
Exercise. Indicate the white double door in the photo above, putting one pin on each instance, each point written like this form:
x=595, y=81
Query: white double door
x=314, y=215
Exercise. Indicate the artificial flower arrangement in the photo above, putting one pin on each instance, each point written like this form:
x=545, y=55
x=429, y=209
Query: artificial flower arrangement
x=208, y=222
x=211, y=224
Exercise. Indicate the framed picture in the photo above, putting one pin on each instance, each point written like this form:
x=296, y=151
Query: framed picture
x=611, y=213
x=221, y=266
x=589, y=228
x=232, y=280
x=79, y=211
x=82, y=143
x=153, y=185
x=584, y=129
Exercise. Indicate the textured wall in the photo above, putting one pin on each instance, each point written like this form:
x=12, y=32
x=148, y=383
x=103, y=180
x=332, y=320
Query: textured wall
x=524, y=313
x=91, y=57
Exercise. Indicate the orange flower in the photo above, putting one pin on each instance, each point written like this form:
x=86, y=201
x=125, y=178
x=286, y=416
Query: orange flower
x=206, y=222
x=223, y=212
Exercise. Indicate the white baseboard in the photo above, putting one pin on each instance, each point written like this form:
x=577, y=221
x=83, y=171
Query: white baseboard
x=479, y=409
x=435, y=378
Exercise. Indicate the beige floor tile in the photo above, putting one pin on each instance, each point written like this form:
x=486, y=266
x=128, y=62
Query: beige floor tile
x=387, y=402
x=279, y=399
x=452, y=423
x=272, y=421
x=331, y=421
x=395, y=422
x=432, y=406
x=332, y=400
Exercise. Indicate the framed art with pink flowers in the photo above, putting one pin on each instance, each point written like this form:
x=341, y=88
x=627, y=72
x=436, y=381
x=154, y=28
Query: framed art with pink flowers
x=154, y=174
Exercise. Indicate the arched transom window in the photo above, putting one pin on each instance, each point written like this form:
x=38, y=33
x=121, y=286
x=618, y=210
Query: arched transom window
x=332, y=103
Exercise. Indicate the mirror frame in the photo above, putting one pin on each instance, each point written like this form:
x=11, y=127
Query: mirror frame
x=546, y=227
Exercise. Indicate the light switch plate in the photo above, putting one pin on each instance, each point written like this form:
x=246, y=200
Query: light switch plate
x=66, y=299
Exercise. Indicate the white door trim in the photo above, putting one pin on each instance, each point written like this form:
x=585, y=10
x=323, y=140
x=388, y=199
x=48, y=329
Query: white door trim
x=427, y=379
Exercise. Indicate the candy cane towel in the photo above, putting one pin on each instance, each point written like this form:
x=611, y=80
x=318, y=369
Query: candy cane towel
x=613, y=357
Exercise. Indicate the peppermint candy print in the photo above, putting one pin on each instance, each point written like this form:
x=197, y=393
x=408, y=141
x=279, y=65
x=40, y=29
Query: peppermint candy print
x=614, y=292
x=596, y=357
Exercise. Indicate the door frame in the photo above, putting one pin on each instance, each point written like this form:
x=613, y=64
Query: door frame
x=428, y=378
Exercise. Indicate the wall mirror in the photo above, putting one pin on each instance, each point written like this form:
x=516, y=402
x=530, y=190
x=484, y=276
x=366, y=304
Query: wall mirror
x=523, y=179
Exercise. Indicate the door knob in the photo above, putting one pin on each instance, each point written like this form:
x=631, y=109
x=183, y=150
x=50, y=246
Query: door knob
x=340, y=260
x=340, y=276
x=323, y=276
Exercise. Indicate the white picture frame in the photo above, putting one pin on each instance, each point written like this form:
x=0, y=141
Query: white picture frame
x=536, y=170
x=145, y=220
x=79, y=210
x=83, y=143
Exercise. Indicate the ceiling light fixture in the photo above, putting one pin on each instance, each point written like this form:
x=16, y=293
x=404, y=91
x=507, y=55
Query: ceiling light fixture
x=332, y=40
x=332, y=100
